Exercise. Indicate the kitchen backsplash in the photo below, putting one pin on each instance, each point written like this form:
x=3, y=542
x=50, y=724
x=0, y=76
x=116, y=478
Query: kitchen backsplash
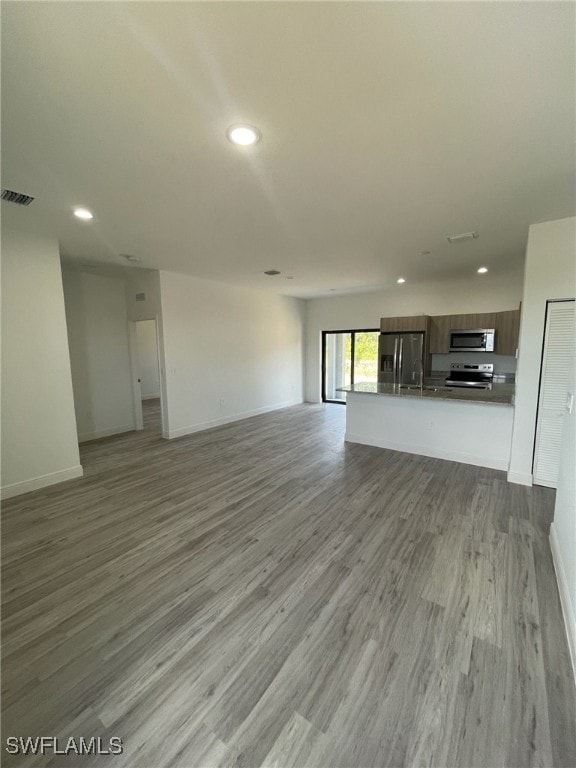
x=502, y=363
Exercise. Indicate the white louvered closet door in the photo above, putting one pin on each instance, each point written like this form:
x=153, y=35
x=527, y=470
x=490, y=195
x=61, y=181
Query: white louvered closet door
x=556, y=362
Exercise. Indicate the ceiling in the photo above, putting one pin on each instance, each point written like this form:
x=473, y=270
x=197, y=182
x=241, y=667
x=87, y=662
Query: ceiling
x=386, y=127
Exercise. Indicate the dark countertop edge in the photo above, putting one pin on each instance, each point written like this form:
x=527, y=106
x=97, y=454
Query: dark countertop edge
x=426, y=396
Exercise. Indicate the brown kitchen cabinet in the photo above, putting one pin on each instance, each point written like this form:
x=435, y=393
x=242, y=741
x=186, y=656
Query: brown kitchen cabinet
x=473, y=322
x=404, y=324
x=440, y=326
x=507, y=326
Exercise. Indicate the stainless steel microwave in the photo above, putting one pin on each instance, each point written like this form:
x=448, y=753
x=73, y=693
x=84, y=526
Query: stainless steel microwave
x=477, y=340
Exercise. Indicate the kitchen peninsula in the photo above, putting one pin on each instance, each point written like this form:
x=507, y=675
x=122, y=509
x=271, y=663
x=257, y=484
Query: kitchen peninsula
x=437, y=392
x=467, y=426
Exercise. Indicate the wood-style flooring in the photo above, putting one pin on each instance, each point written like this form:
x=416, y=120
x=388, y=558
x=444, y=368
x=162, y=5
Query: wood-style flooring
x=263, y=594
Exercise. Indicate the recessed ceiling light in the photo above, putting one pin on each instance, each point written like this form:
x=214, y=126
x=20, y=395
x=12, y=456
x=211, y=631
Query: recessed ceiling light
x=463, y=236
x=401, y=280
x=243, y=135
x=483, y=270
x=130, y=257
x=83, y=213
x=272, y=272
x=289, y=277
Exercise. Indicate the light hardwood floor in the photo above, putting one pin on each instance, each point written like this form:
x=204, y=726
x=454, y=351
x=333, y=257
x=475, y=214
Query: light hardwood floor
x=263, y=594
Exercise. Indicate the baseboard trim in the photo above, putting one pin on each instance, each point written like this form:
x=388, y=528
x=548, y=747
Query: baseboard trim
x=35, y=483
x=435, y=453
x=520, y=478
x=182, y=432
x=151, y=397
x=568, y=611
x=84, y=437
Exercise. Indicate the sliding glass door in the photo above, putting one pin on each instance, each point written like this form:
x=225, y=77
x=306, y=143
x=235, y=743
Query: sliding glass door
x=348, y=357
x=337, y=365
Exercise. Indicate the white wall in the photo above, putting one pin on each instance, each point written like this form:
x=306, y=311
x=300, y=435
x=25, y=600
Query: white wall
x=147, y=353
x=146, y=281
x=39, y=444
x=97, y=319
x=482, y=293
x=228, y=352
x=549, y=274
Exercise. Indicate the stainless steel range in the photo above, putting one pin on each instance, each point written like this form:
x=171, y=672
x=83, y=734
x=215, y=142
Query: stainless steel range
x=479, y=375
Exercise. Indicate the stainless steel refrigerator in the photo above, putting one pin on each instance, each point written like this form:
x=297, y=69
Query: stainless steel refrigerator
x=401, y=359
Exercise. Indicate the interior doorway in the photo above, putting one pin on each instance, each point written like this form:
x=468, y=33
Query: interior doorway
x=146, y=375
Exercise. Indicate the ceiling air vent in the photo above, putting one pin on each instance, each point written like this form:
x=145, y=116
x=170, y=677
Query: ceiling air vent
x=140, y=297
x=16, y=197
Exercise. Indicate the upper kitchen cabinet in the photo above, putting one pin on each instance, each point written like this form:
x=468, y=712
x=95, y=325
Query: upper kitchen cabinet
x=440, y=326
x=507, y=331
x=404, y=324
x=506, y=325
x=474, y=322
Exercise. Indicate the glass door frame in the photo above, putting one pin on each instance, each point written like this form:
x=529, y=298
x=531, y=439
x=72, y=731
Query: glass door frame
x=352, y=332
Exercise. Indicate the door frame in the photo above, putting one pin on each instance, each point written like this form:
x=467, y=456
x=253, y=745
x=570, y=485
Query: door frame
x=351, y=331
x=543, y=349
x=136, y=389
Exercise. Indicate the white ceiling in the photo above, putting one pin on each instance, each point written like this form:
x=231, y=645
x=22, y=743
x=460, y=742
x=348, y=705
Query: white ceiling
x=386, y=126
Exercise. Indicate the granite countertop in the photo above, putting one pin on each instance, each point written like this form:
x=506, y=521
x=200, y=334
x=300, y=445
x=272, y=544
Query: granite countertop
x=500, y=394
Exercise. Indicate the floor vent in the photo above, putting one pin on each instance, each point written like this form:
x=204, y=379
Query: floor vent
x=140, y=297
x=16, y=197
